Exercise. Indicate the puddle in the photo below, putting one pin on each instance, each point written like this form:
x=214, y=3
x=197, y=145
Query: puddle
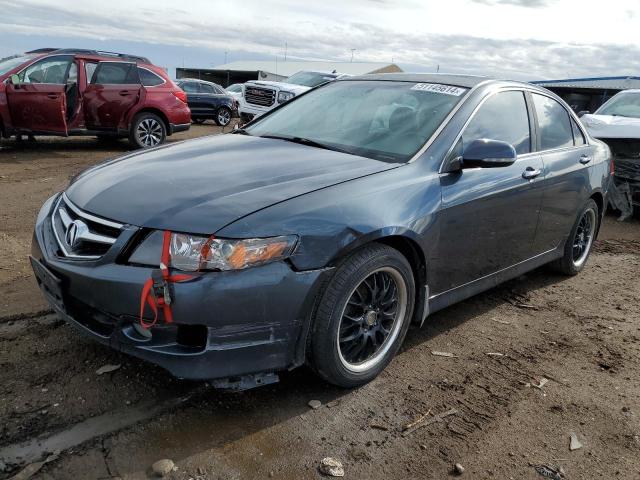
x=37, y=448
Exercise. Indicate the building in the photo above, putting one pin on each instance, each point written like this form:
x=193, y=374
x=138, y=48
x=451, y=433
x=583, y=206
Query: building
x=589, y=93
x=274, y=70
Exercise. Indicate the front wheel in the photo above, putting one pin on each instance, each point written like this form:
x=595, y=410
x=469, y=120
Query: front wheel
x=147, y=130
x=363, y=316
x=580, y=241
x=223, y=116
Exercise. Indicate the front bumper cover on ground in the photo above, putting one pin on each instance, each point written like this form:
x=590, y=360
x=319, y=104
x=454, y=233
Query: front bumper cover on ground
x=226, y=324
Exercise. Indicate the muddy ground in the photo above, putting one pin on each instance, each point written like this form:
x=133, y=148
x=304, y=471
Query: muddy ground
x=582, y=334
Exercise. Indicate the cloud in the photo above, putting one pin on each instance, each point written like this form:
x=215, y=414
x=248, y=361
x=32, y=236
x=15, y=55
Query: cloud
x=517, y=3
x=318, y=37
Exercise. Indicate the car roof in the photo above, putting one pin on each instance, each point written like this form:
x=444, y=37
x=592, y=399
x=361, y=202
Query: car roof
x=93, y=54
x=467, y=81
x=197, y=80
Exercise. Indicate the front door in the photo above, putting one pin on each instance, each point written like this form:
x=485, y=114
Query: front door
x=112, y=92
x=37, y=101
x=489, y=215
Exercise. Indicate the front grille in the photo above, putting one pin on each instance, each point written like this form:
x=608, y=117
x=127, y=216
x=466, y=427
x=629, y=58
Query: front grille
x=79, y=234
x=265, y=97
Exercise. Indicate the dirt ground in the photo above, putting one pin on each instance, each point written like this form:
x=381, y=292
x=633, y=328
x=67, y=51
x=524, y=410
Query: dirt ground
x=580, y=334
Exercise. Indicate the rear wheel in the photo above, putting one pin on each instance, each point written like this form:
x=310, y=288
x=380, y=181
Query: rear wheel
x=147, y=130
x=363, y=316
x=223, y=117
x=580, y=241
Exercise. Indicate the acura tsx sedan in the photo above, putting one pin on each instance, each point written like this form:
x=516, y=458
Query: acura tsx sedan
x=318, y=233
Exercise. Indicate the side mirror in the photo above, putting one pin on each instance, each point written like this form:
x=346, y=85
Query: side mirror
x=487, y=153
x=582, y=113
x=14, y=79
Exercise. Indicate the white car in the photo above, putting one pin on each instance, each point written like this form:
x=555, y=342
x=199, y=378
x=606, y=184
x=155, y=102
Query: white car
x=235, y=91
x=617, y=123
x=259, y=97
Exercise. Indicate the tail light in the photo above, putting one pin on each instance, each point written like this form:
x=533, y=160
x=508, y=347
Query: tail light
x=180, y=95
x=612, y=166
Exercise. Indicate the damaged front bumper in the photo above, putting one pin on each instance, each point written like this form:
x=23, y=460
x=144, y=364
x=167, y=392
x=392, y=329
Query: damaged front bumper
x=238, y=327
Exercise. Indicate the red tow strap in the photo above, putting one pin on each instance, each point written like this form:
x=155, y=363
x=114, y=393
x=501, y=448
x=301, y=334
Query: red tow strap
x=152, y=287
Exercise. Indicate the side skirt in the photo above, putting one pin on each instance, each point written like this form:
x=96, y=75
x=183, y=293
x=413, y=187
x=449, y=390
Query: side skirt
x=455, y=295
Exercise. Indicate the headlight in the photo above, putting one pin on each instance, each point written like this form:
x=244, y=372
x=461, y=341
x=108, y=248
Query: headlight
x=194, y=252
x=285, y=96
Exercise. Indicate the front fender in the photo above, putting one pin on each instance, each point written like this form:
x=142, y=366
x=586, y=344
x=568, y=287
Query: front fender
x=334, y=221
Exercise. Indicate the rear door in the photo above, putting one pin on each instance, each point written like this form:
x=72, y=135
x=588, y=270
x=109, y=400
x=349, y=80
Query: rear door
x=37, y=103
x=566, y=184
x=112, y=93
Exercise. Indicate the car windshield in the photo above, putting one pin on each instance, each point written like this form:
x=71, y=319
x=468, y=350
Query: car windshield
x=626, y=104
x=235, y=88
x=310, y=79
x=9, y=63
x=384, y=120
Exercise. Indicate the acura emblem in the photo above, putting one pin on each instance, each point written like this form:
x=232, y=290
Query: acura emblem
x=75, y=233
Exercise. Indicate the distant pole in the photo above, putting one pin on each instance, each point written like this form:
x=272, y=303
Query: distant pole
x=285, y=51
x=438, y=68
x=352, y=50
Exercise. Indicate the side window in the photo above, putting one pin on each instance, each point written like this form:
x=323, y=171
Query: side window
x=148, y=78
x=553, y=120
x=205, y=88
x=72, y=77
x=116, y=73
x=190, y=87
x=50, y=70
x=89, y=70
x=578, y=136
x=502, y=117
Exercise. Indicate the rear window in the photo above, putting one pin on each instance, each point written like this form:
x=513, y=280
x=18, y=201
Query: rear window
x=148, y=78
x=115, y=73
x=9, y=63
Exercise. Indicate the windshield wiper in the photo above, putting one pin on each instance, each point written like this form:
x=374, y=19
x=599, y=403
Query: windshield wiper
x=240, y=131
x=306, y=141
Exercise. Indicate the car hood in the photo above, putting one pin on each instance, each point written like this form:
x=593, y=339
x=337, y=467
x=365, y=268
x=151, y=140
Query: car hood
x=289, y=87
x=202, y=185
x=608, y=126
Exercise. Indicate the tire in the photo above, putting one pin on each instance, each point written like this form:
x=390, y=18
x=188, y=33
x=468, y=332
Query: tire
x=578, y=246
x=199, y=121
x=348, y=352
x=147, y=130
x=223, y=117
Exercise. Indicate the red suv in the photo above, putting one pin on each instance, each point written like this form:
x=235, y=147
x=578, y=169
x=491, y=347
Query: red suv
x=87, y=92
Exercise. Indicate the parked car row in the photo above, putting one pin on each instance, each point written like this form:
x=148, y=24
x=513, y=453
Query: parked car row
x=87, y=92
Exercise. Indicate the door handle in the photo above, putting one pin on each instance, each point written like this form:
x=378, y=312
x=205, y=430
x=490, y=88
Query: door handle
x=530, y=173
x=584, y=159
x=125, y=93
x=52, y=96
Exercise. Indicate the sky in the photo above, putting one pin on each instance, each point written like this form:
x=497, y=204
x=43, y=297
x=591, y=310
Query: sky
x=519, y=39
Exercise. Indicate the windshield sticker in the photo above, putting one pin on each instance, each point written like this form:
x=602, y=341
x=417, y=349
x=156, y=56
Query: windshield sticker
x=439, y=88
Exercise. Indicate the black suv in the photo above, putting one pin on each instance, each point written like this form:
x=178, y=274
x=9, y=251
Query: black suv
x=208, y=101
